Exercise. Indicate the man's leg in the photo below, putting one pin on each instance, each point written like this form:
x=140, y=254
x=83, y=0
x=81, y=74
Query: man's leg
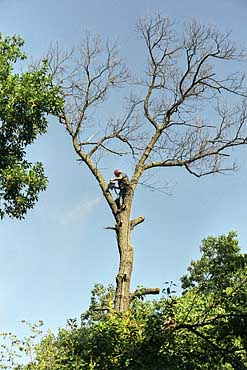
x=122, y=197
x=118, y=202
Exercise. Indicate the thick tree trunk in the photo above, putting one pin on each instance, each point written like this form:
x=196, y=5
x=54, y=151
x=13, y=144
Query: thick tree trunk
x=124, y=226
x=123, y=279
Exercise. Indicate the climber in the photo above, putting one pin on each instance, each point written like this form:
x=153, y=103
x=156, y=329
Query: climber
x=123, y=182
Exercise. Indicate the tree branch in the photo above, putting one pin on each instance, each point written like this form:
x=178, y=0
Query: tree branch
x=136, y=221
x=144, y=291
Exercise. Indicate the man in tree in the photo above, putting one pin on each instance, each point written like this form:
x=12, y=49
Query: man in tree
x=123, y=183
x=185, y=111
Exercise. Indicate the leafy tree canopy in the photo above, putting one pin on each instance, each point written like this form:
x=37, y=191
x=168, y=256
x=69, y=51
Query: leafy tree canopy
x=203, y=328
x=25, y=100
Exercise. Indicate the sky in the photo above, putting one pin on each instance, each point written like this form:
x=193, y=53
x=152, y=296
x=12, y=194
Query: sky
x=51, y=260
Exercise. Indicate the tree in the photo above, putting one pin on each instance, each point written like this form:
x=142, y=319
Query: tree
x=25, y=100
x=187, y=110
x=204, y=328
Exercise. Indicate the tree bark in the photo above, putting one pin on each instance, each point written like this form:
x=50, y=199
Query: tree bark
x=124, y=226
x=126, y=253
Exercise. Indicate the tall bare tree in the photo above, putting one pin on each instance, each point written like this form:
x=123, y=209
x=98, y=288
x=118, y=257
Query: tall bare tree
x=186, y=110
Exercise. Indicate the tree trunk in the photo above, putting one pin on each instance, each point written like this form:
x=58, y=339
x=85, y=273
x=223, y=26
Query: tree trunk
x=123, y=279
x=124, y=226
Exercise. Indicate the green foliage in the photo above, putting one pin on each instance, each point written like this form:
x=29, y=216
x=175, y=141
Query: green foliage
x=25, y=101
x=14, y=351
x=218, y=256
x=101, y=303
x=204, y=328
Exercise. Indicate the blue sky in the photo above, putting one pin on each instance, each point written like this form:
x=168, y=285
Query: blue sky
x=50, y=261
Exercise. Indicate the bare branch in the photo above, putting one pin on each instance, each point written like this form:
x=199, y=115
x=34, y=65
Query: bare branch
x=136, y=221
x=110, y=228
x=182, y=74
x=144, y=291
x=188, y=111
